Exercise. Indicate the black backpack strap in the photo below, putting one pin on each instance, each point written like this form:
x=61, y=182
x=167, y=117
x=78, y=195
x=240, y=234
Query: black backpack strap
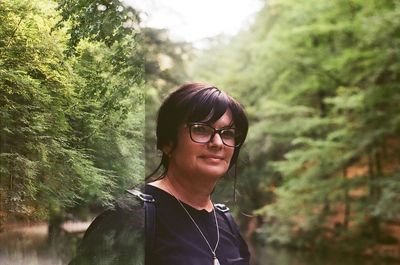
x=228, y=216
x=243, y=248
x=150, y=217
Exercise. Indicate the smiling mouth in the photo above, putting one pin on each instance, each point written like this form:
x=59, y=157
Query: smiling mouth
x=212, y=158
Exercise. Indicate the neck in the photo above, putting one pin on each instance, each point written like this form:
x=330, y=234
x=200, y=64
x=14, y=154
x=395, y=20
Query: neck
x=195, y=192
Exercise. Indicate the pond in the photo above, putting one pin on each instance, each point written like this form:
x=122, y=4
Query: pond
x=279, y=256
x=29, y=245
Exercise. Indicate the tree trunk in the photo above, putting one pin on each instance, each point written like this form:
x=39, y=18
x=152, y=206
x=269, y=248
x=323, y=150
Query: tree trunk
x=371, y=174
x=54, y=228
x=346, y=216
x=375, y=169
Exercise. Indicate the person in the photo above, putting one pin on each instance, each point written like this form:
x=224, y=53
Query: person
x=200, y=130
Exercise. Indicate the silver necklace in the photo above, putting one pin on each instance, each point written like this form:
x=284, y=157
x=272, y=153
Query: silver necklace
x=215, y=259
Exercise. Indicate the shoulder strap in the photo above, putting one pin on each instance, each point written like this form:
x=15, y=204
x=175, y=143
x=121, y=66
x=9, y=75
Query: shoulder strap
x=243, y=248
x=150, y=217
x=141, y=196
x=228, y=216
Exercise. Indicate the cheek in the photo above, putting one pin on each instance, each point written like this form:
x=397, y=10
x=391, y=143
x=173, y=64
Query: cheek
x=186, y=150
x=229, y=155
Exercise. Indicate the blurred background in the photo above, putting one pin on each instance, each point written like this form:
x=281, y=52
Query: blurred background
x=81, y=81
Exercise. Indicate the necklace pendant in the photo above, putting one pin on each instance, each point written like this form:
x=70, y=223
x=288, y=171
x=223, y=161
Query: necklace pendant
x=216, y=261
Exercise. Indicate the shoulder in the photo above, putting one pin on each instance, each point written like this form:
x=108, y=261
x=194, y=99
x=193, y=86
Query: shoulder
x=115, y=236
x=126, y=213
x=227, y=216
x=243, y=247
x=125, y=210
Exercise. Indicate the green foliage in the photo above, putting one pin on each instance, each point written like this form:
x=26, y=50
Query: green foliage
x=105, y=21
x=321, y=85
x=72, y=92
x=164, y=70
x=71, y=127
x=388, y=206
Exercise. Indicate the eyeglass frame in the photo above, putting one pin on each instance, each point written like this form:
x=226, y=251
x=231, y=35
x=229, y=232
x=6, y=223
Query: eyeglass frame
x=216, y=131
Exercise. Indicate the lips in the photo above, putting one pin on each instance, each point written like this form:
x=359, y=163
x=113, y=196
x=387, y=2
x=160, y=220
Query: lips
x=212, y=159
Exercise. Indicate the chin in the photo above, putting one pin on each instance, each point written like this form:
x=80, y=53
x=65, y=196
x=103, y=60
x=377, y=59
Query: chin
x=215, y=173
x=211, y=169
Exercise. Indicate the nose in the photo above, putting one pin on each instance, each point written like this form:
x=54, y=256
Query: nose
x=216, y=140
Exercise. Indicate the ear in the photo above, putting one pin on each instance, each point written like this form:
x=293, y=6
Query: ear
x=167, y=150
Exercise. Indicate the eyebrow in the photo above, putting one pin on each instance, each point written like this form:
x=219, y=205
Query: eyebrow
x=230, y=125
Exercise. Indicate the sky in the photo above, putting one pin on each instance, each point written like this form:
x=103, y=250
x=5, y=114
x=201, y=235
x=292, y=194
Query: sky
x=195, y=20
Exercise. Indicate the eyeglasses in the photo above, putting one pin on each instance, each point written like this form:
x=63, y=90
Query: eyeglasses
x=203, y=133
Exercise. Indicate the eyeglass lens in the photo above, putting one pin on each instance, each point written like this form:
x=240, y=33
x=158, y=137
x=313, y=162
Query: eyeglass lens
x=202, y=133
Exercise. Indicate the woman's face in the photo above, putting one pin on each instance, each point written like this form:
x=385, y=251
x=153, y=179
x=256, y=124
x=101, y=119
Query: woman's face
x=209, y=160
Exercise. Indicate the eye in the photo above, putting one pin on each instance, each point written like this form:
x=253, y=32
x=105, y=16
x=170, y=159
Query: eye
x=201, y=129
x=228, y=134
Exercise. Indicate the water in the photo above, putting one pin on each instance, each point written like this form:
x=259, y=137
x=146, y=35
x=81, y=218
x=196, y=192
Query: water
x=29, y=245
x=279, y=256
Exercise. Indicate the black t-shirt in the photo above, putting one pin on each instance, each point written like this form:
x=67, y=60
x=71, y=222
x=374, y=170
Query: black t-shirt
x=116, y=237
x=178, y=241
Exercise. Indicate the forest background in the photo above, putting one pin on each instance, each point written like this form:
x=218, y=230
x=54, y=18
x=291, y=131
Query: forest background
x=81, y=82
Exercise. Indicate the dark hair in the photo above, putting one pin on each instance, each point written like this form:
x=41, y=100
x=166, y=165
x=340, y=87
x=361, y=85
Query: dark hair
x=194, y=102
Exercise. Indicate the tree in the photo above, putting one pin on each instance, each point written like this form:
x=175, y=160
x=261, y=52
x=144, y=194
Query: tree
x=71, y=129
x=320, y=84
x=40, y=170
x=73, y=83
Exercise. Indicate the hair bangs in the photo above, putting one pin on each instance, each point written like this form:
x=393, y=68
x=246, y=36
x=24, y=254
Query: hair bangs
x=208, y=105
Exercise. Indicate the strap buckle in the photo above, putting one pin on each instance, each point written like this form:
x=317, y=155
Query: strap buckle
x=142, y=196
x=221, y=207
